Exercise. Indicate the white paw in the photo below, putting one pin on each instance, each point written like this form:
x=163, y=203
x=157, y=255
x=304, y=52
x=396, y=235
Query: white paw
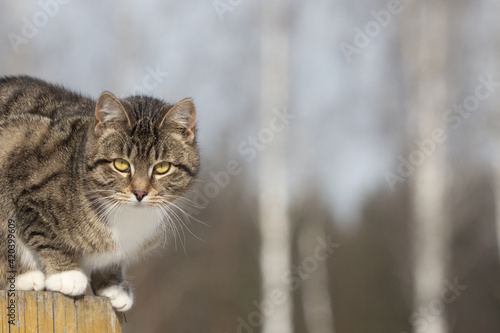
x=120, y=299
x=71, y=283
x=32, y=280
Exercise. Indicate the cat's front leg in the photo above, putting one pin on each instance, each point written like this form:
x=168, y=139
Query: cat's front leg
x=56, y=259
x=109, y=282
x=62, y=271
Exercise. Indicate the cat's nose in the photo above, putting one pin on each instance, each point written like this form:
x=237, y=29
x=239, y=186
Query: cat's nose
x=140, y=194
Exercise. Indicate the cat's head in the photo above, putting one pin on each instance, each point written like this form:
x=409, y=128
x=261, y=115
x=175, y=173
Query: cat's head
x=142, y=151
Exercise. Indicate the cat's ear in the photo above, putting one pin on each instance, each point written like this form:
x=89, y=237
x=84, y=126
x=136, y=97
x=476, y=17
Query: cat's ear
x=182, y=116
x=110, y=113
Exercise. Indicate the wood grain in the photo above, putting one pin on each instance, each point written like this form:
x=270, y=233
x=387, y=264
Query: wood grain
x=43, y=311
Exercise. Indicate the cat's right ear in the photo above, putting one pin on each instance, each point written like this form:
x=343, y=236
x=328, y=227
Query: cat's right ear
x=110, y=113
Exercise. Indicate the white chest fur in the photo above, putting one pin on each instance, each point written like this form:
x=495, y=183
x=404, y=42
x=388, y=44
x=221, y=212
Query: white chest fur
x=132, y=226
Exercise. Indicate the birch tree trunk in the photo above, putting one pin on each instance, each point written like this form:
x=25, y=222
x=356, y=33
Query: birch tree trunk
x=428, y=103
x=318, y=311
x=492, y=66
x=274, y=222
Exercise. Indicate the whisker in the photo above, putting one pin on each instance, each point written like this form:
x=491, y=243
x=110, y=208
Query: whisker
x=187, y=215
x=110, y=209
x=160, y=217
x=185, y=200
x=168, y=224
x=174, y=228
x=182, y=223
x=102, y=204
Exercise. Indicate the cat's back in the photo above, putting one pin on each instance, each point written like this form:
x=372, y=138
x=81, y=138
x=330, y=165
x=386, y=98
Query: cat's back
x=26, y=95
x=38, y=119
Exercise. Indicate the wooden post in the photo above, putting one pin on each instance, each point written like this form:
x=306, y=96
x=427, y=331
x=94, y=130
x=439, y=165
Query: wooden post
x=45, y=311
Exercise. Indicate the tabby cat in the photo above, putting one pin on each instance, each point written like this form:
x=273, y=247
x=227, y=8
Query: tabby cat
x=87, y=185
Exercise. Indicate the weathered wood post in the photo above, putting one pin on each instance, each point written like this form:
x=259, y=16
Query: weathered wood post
x=47, y=312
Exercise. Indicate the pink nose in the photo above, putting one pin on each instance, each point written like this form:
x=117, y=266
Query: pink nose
x=139, y=194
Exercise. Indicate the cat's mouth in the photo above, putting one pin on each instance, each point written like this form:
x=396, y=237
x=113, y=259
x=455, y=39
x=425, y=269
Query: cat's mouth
x=137, y=204
x=145, y=203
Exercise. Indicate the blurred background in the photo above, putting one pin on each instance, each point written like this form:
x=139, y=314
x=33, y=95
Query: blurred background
x=350, y=155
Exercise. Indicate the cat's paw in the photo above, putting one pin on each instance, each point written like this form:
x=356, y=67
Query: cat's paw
x=32, y=280
x=72, y=283
x=121, y=300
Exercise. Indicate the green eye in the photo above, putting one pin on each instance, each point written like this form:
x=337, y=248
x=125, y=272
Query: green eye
x=121, y=165
x=162, y=168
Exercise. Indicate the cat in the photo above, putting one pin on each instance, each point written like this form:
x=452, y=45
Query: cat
x=87, y=185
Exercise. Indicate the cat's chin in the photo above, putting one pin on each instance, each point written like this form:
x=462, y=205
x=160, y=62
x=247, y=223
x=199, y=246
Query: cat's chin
x=138, y=205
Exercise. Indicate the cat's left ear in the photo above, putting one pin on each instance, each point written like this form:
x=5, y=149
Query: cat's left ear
x=182, y=116
x=110, y=113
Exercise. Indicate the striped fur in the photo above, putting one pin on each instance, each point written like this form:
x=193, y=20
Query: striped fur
x=60, y=186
